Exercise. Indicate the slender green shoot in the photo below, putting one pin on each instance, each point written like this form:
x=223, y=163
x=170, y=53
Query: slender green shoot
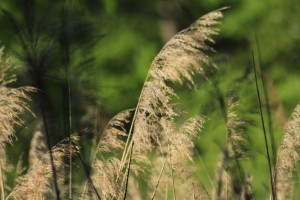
x=264, y=129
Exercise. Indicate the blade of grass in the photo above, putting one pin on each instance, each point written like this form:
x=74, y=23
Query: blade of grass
x=266, y=95
x=264, y=129
x=205, y=170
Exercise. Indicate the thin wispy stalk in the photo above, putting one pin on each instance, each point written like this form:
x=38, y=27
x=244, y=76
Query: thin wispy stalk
x=172, y=174
x=158, y=180
x=267, y=102
x=69, y=130
x=128, y=173
x=264, y=130
x=205, y=169
x=288, y=157
x=65, y=48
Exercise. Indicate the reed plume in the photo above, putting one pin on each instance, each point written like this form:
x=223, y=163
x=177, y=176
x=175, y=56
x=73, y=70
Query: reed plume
x=179, y=60
x=12, y=104
x=36, y=184
x=237, y=139
x=288, y=157
x=153, y=128
x=171, y=166
x=105, y=168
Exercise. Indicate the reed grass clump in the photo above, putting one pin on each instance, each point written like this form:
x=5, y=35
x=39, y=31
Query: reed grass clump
x=153, y=128
x=147, y=152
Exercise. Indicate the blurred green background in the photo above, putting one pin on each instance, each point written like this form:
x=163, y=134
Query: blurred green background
x=104, y=49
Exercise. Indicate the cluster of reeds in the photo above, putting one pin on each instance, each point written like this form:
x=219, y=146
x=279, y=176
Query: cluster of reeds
x=146, y=147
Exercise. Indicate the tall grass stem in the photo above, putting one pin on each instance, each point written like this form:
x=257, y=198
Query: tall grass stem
x=264, y=129
x=267, y=101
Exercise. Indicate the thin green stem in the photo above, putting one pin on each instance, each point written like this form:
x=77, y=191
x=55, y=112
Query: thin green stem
x=270, y=125
x=266, y=95
x=264, y=130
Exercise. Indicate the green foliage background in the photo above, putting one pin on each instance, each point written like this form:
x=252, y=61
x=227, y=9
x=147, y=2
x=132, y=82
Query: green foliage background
x=111, y=43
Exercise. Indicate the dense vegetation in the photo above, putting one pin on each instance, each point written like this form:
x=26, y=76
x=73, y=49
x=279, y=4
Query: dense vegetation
x=196, y=124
